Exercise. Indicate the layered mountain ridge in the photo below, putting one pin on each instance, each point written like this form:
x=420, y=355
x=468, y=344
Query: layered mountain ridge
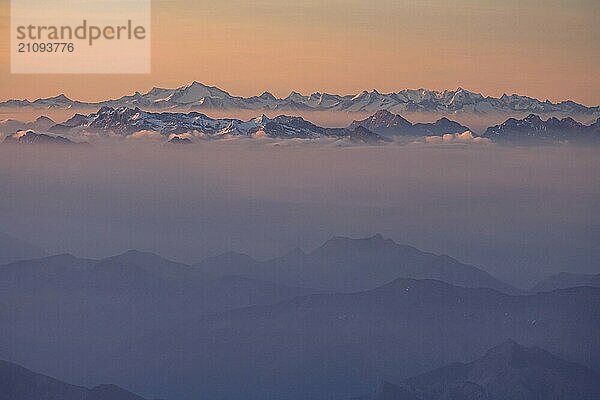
x=508, y=371
x=155, y=325
x=345, y=264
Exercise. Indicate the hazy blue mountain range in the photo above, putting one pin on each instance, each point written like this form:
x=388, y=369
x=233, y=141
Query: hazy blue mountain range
x=508, y=372
x=344, y=264
x=149, y=325
x=18, y=383
x=141, y=279
x=335, y=346
x=197, y=96
x=167, y=329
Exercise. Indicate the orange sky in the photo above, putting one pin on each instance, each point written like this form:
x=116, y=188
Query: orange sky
x=541, y=48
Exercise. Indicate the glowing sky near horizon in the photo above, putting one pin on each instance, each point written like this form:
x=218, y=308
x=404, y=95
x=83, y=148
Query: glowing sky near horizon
x=549, y=49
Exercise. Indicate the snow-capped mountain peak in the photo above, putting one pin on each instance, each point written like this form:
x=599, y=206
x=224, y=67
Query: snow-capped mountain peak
x=195, y=92
x=129, y=121
x=198, y=96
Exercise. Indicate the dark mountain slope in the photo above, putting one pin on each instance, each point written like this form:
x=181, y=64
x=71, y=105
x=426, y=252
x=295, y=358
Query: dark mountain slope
x=338, y=345
x=508, y=372
x=533, y=130
x=18, y=383
x=388, y=124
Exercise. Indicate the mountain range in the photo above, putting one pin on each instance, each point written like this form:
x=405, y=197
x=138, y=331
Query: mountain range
x=10, y=126
x=197, y=96
x=508, y=371
x=337, y=345
x=127, y=121
x=183, y=332
x=381, y=127
x=145, y=279
x=532, y=129
x=345, y=265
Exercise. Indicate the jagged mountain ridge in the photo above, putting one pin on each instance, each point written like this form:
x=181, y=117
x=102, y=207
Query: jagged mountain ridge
x=533, y=129
x=197, y=96
x=126, y=121
x=381, y=127
x=386, y=123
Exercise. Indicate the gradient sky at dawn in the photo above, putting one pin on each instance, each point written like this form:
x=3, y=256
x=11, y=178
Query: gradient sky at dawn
x=541, y=48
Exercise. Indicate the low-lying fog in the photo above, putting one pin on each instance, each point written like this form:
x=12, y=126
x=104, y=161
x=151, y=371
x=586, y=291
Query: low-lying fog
x=520, y=213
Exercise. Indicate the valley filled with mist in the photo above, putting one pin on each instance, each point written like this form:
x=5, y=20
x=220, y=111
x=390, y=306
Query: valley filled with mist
x=522, y=213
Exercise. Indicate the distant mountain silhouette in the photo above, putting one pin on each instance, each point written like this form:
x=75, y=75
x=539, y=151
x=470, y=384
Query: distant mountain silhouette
x=114, y=307
x=179, y=140
x=388, y=124
x=508, y=372
x=10, y=126
x=13, y=249
x=565, y=280
x=18, y=383
x=31, y=137
x=532, y=129
x=138, y=278
x=344, y=264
